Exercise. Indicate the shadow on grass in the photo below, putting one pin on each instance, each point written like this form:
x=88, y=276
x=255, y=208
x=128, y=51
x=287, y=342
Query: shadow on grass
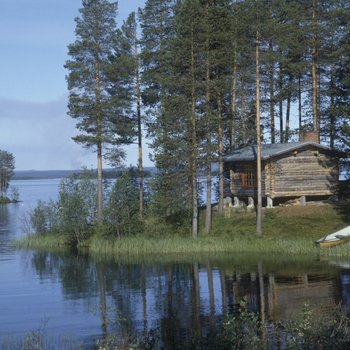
x=344, y=204
x=344, y=210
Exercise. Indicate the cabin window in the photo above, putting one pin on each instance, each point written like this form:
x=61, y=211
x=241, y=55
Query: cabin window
x=248, y=178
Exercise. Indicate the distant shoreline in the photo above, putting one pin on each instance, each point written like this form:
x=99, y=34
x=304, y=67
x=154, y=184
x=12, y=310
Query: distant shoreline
x=42, y=174
x=59, y=174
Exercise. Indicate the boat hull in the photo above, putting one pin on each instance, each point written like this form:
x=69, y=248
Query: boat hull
x=326, y=244
x=336, y=238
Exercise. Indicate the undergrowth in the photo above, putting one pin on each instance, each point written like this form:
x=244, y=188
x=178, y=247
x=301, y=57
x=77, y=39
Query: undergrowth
x=291, y=230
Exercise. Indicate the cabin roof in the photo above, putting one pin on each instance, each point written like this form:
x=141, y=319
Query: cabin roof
x=272, y=150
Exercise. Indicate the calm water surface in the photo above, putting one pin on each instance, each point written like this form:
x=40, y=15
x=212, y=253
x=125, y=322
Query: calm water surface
x=80, y=298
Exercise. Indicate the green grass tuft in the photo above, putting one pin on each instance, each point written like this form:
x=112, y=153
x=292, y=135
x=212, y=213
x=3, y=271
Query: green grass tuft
x=291, y=230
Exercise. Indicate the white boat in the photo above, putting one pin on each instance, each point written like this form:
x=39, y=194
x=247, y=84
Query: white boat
x=335, y=238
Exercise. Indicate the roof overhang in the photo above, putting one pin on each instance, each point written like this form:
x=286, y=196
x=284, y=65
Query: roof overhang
x=268, y=151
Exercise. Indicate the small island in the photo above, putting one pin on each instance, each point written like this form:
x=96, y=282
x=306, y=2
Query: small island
x=7, y=167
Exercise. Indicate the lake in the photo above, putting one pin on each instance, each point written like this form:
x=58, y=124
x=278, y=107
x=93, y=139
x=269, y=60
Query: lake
x=72, y=298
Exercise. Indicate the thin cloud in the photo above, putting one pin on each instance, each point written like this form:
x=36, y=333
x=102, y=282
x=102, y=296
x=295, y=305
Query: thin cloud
x=40, y=135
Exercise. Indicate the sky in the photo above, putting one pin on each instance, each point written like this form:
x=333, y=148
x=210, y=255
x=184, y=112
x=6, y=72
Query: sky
x=34, y=125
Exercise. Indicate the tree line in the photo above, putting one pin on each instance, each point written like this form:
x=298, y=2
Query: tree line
x=7, y=167
x=185, y=73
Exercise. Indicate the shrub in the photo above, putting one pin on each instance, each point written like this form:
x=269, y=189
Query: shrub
x=74, y=213
x=122, y=213
x=77, y=206
x=44, y=218
x=169, y=207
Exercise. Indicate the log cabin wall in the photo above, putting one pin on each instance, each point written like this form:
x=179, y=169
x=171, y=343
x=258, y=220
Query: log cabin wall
x=302, y=172
x=308, y=172
x=269, y=178
x=237, y=186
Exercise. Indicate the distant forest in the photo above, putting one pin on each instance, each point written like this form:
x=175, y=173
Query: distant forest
x=195, y=74
x=61, y=174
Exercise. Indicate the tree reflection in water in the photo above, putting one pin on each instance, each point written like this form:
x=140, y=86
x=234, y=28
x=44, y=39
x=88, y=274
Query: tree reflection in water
x=177, y=302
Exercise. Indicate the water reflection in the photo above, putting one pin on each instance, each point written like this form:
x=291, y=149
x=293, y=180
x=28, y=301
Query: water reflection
x=185, y=300
x=4, y=217
x=172, y=299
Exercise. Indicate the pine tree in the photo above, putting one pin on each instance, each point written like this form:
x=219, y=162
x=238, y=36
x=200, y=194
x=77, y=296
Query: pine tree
x=244, y=19
x=341, y=106
x=90, y=101
x=283, y=43
x=127, y=89
x=334, y=26
x=208, y=18
x=221, y=58
x=156, y=21
x=139, y=122
x=258, y=131
x=160, y=100
x=188, y=68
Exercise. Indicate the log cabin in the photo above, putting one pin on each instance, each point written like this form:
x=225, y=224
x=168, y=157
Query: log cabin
x=289, y=170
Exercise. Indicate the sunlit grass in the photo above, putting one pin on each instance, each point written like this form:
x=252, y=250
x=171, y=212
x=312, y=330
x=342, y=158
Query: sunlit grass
x=166, y=245
x=47, y=241
x=287, y=230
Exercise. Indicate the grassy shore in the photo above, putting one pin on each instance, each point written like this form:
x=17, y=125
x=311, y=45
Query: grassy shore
x=291, y=230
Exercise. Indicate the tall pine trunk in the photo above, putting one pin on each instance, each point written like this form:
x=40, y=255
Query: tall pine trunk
x=234, y=100
x=314, y=68
x=300, y=106
x=208, y=213
x=272, y=95
x=258, y=139
x=332, y=116
x=99, y=143
x=243, y=111
x=99, y=182
x=280, y=102
x=139, y=132
x=220, y=152
x=289, y=97
x=193, y=160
